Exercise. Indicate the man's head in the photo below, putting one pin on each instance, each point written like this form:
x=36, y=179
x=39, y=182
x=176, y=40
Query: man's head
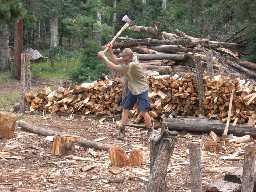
x=127, y=55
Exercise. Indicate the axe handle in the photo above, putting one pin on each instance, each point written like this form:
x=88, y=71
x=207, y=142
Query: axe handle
x=126, y=25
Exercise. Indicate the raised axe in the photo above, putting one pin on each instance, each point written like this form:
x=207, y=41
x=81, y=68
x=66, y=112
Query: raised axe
x=128, y=23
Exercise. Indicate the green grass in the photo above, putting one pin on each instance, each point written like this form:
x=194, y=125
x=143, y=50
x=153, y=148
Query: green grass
x=62, y=68
x=6, y=101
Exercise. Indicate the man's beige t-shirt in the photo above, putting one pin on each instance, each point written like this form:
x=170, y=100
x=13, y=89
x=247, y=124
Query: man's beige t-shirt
x=137, y=81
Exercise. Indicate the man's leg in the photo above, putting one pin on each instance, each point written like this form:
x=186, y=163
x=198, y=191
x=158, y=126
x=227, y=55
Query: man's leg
x=124, y=118
x=147, y=118
x=128, y=104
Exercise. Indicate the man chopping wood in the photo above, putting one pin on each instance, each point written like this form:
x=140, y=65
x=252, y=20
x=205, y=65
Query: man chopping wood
x=129, y=65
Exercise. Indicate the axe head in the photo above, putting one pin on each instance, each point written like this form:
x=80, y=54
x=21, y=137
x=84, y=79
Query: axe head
x=127, y=20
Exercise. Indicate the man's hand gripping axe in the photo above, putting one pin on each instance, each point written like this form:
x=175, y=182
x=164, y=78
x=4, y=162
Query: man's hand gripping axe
x=127, y=24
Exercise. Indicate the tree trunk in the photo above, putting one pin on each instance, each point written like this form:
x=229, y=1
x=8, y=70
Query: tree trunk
x=54, y=37
x=164, y=5
x=97, y=35
x=18, y=49
x=114, y=17
x=4, y=42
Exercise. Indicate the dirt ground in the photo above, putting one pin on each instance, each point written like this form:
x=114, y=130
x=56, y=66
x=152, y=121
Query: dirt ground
x=30, y=166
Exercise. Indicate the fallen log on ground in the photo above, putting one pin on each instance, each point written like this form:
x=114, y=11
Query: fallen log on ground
x=206, y=126
x=46, y=132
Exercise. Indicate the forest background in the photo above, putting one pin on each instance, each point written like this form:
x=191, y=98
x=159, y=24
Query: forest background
x=71, y=32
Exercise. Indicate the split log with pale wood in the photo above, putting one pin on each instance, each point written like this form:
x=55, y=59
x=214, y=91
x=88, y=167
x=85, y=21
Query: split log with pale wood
x=63, y=145
x=119, y=158
x=176, y=95
x=7, y=125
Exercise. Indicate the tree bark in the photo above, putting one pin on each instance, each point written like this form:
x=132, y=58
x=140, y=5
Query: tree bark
x=46, y=132
x=18, y=49
x=206, y=126
x=4, y=42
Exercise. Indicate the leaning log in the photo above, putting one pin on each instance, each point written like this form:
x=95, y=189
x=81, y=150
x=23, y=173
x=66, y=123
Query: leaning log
x=206, y=126
x=247, y=64
x=250, y=73
x=46, y=132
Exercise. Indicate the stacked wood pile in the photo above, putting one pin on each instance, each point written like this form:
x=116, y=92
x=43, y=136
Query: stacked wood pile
x=173, y=84
x=176, y=95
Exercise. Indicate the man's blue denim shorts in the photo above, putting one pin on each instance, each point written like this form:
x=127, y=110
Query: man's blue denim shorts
x=142, y=100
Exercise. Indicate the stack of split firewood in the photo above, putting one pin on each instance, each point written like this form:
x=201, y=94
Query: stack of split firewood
x=188, y=77
x=176, y=95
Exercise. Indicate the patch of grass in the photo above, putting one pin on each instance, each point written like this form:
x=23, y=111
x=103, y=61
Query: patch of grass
x=5, y=79
x=6, y=101
x=62, y=68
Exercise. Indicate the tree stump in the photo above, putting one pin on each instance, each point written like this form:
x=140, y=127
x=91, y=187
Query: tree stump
x=161, y=149
x=119, y=158
x=7, y=125
x=63, y=145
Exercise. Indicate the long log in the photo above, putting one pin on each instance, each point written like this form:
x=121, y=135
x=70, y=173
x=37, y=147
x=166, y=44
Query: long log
x=250, y=73
x=46, y=132
x=149, y=42
x=161, y=56
x=247, y=64
x=206, y=126
x=171, y=48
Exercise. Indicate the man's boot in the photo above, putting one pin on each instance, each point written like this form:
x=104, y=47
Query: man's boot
x=149, y=133
x=121, y=133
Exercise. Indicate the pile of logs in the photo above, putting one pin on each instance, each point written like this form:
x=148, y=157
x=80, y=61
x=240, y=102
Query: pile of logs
x=173, y=62
x=178, y=50
x=176, y=95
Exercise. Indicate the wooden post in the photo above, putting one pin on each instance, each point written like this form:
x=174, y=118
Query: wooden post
x=161, y=149
x=22, y=83
x=28, y=67
x=209, y=57
x=195, y=166
x=200, y=82
x=248, y=169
